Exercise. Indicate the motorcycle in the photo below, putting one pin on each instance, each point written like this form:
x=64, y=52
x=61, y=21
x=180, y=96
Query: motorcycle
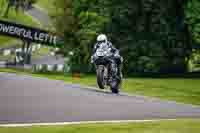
x=107, y=70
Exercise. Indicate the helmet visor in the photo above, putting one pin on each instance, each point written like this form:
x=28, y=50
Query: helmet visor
x=103, y=41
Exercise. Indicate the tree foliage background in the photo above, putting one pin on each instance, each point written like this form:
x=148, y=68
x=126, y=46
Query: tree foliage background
x=153, y=36
x=192, y=11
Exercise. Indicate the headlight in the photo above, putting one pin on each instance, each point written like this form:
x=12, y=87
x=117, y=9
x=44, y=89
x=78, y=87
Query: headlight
x=100, y=53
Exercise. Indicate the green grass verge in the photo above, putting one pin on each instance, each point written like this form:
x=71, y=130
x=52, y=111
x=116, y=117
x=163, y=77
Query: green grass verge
x=4, y=41
x=175, y=89
x=178, y=126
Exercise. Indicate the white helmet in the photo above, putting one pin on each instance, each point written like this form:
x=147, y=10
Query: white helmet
x=102, y=38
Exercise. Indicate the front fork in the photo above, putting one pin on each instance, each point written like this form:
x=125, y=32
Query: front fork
x=114, y=70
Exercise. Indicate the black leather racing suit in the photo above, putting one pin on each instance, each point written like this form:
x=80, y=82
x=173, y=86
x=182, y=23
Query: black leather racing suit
x=116, y=60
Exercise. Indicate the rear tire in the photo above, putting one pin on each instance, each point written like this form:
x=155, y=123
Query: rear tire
x=100, y=77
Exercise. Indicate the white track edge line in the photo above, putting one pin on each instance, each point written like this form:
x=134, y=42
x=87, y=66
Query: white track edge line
x=82, y=122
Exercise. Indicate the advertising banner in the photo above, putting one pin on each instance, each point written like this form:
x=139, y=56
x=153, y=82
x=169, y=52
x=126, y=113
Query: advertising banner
x=28, y=33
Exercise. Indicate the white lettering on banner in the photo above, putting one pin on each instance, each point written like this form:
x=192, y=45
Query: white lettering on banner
x=11, y=30
x=41, y=37
x=44, y=37
x=28, y=34
x=16, y=31
x=5, y=28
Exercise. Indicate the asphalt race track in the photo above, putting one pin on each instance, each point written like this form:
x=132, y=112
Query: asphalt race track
x=24, y=99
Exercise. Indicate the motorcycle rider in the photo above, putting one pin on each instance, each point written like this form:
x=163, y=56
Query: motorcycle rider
x=115, y=60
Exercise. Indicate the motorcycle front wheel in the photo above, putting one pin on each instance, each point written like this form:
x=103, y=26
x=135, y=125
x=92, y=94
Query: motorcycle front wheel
x=100, y=77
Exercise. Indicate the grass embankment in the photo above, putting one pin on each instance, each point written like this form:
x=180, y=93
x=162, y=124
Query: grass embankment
x=178, y=126
x=176, y=89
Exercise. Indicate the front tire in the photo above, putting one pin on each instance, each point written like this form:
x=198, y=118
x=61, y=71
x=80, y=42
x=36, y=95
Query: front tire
x=100, y=77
